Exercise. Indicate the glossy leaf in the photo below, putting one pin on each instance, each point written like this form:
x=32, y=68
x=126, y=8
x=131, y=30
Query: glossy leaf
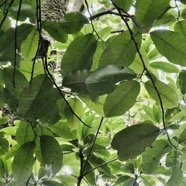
x=149, y=11
x=120, y=51
x=30, y=44
x=23, y=162
x=122, y=99
x=103, y=80
x=170, y=44
x=132, y=141
x=79, y=54
x=182, y=81
x=169, y=100
x=123, y=4
x=51, y=155
x=164, y=66
x=73, y=22
x=153, y=154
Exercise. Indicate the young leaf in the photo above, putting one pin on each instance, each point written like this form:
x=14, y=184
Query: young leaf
x=23, y=162
x=51, y=155
x=132, y=141
x=121, y=50
x=149, y=11
x=30, y=44
x=79, y=54
x=73, y=22
x=169, y=100
x=152, y=155
x=122, y=99
x=103, y=80
x=170, y=44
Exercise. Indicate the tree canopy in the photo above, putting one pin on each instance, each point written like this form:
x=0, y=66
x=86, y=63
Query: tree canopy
x=92, y=92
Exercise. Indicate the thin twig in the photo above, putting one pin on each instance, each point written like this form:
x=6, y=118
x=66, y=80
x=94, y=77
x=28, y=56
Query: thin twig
x=99, y=166
x=148, y=73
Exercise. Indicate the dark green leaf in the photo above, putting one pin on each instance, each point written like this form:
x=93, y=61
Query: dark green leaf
x=170, y=44
x=132, y=141
x=73, y=22
x=122, y=99
x=103, y=80
x=152, y=155
x=51, y=155
x=123, y=4
x=182, y=81
x=24, y=133
x=149, y=11
x=2, y=168
x=121, y=50
x=4, y=146
x=79, y=54
x=23, y=162
x=75, y=80
x=55, y=31
x=169, y=100
x=30, y=44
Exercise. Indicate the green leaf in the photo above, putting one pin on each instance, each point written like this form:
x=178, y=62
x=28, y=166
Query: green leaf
x=122, y=99
x=182, y=81
x=132, y=141
x=2, y=168
x=4, y=146
x=79, y=54
x=149, y=11
x=23, y=162
x=183, y=1
x=103, y=80
x=123, y=4
x=152, y=155
x=170, y=44
x=30, y=44
x=177, y=174
x=169, y=100
x=75, y=80
x=164, y=66
x=38, y=100
x=125, y=181
x=180, y=27
x=55, y=31
x=121, y=50
x=73, y=22
x=182, y=137
x=24, y=133
x=51, y=155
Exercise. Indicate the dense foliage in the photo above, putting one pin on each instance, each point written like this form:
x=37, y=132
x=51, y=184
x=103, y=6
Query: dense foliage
x=115, y=114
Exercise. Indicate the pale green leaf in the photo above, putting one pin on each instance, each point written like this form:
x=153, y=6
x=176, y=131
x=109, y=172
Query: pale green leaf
x=51, y=155
x=182, y=81
x=103, y=80
x=170, y=44
x=121, y=50
x=30, y=44
x=79, y=54
x=132, y=141
x=164, y=66
x=169, y=100
x=23, y=162
x=122, y=99
x=153, y=154
x=149, y=11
